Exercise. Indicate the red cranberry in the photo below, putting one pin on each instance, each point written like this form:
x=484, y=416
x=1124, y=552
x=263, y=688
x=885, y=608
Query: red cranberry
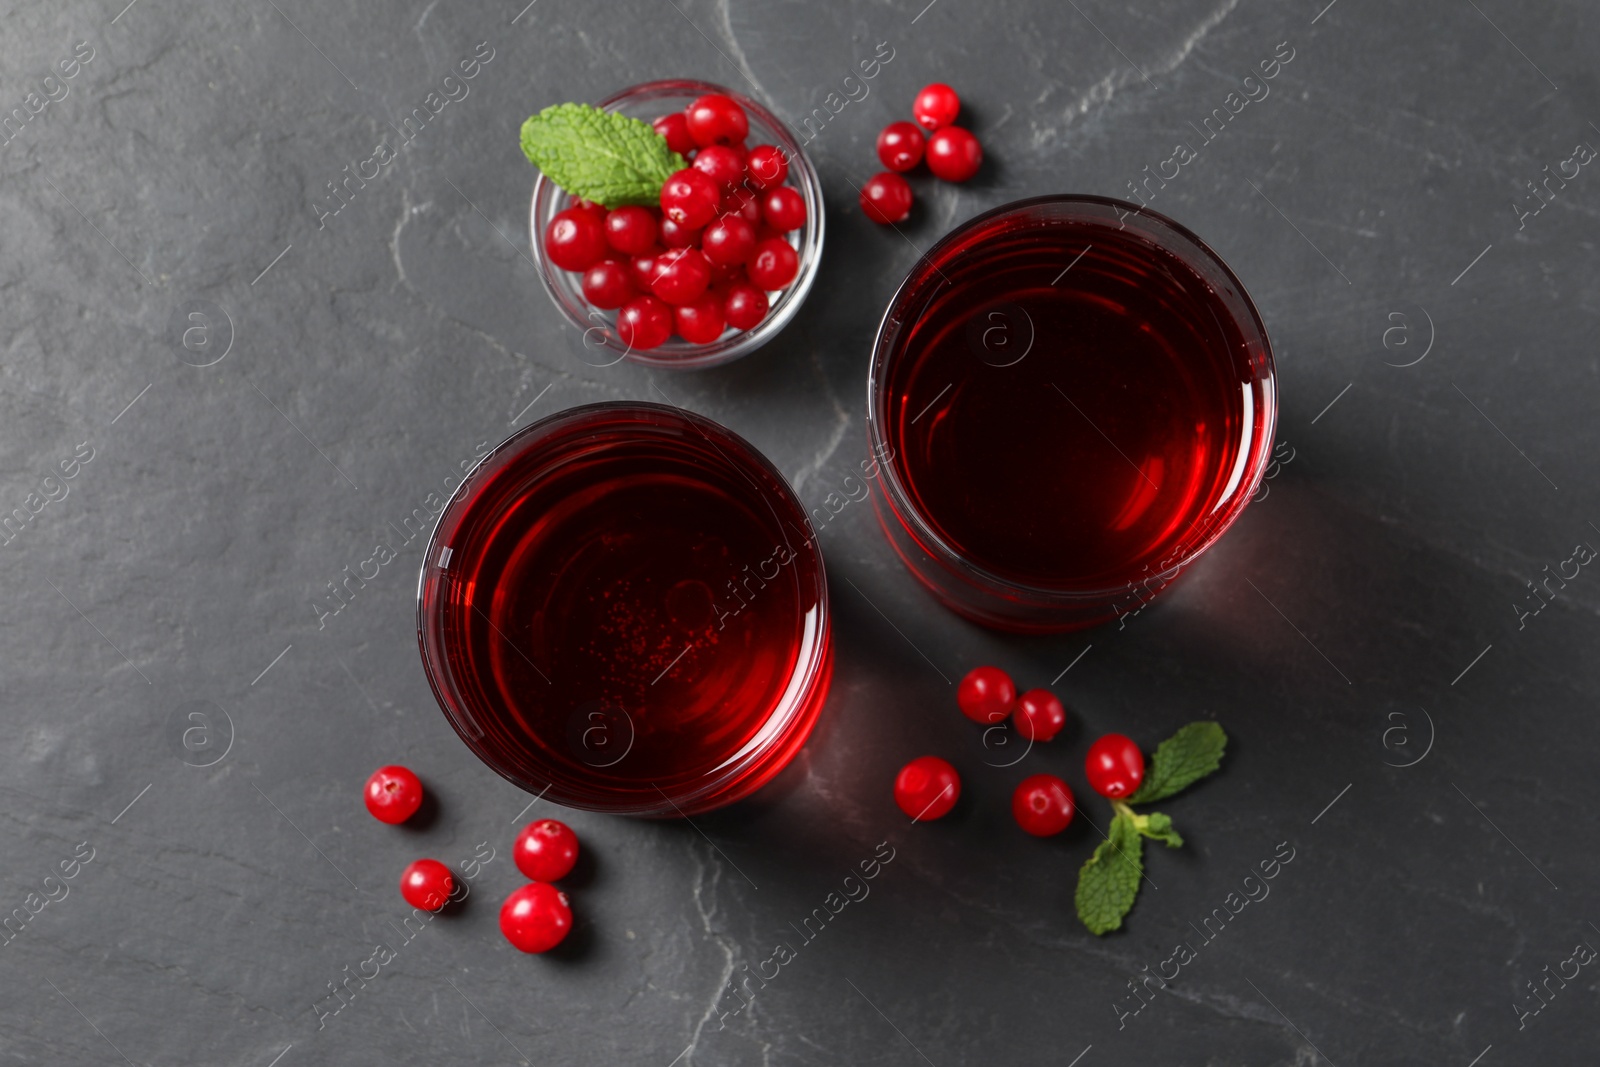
x=575, y=239
x=936, y=106
x=886, y=198
x=631, y=229
x=954, y=154
x=1114, y=767
x=927, y=788
x=675, y=128
x=689, y=198
x=767, y=165
x=745, y=307
x=721, y=164
x=393, y=794
x=784, y=209
x=426, y=884
x=644, y=323
x=716, y=119
x=700, y=321
x=1038, y=715
x=986, y=694
x=546, y=850
x=642, y=270
x=1042, y=805
x=743, y=203
x=606, y=285
x=590, y=207
x=900, y=145
x=536, y=917
x=726, y=274
x=681, y=276
x=675, y=236
x=774, y=264
x=728, y=241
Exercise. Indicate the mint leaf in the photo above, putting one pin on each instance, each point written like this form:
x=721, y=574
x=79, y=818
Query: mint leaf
x=598, y=155
x=1109, y=879
x=1158, y=827
x=1181, y=760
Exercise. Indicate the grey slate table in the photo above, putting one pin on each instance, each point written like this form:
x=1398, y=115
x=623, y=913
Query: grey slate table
x=184, y=738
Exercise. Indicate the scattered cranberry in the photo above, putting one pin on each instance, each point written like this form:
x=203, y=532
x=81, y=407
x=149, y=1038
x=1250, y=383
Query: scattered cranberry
x=729, y=241
x=721, y=164
x=689, y=198
x=681, y=276
x=768, y=166
x=774, y=264
x=536, y=917
x=886, y=198
x=631, y=230
x=784, y=209
x=674, y=235
x=954, y=154
x=936, y=106
x=393, y=794
x=546, y=850
x=745, y=307
x=900, y=145
x=927, y=788
x=675, y=128
x=1038, y=715
x=700, y=321
x=1114, y=766
x=1042, y=805
x=986, y=694
x=716, y=119
x=575, y=239
x=644, y=323
x=426, y=884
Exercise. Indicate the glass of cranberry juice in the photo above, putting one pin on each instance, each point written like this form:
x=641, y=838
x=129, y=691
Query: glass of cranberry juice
x=623, y=609
x=1075, y=398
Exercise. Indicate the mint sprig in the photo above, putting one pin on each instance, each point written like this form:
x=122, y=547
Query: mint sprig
x=1109, y=880
x=598, y=155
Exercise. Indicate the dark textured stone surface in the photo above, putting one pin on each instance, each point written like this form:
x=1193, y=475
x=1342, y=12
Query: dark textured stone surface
x=1387, y=556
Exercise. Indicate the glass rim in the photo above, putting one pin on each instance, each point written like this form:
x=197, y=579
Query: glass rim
x=682, y=355
x=461, y=711
x=1157, y=230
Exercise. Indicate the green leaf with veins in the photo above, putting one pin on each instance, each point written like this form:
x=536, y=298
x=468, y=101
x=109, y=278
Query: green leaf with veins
x=1181, y=760
x=1109, y=880
x=598, y=155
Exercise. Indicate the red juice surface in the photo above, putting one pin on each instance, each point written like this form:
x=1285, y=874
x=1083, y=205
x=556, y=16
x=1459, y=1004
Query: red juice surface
x=627, y=606
x=1072, y=428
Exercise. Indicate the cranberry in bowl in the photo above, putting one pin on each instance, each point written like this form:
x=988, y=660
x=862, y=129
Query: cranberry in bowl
x=704, y=271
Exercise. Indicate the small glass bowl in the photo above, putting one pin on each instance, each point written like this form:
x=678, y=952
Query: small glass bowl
x=602, y=345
